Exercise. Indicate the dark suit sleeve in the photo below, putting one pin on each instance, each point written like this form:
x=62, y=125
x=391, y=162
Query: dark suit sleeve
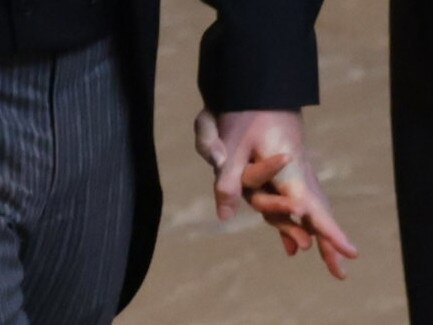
x=260, y=54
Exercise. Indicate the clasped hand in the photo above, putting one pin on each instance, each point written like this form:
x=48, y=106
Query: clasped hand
x=259, y=156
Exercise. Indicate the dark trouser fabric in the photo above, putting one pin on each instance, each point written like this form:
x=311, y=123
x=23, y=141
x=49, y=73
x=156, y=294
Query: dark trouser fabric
x=66, y=187
x=412, y=128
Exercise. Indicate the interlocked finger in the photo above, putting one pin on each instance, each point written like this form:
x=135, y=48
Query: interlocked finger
x=289, y=243
x=290, y=228
x=331, y=257
x=268, y=203
x=257, y=174
x=324, y=225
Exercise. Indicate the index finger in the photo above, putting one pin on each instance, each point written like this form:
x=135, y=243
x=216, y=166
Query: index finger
x=322, y=221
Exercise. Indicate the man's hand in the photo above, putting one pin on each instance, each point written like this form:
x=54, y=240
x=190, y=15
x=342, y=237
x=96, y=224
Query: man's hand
x=234, y=140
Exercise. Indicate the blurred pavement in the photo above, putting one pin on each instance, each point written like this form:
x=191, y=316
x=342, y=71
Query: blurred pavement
x=210, y=273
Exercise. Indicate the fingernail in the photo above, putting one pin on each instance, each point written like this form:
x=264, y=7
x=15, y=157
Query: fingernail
x=218, y=158
x=353, y=247
x=225, y=212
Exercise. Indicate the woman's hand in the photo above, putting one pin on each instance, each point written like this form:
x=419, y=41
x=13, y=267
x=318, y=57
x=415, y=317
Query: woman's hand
x=277, y=210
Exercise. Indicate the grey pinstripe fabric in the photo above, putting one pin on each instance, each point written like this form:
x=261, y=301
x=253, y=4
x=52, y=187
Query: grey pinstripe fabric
x=66, y=187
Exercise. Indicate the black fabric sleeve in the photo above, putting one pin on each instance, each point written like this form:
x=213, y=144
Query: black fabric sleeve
x=260, y=54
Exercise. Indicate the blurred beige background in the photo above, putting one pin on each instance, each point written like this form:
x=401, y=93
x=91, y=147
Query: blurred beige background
x=207, y=272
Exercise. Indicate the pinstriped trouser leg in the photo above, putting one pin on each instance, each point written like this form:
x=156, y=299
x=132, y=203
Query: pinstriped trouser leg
x=66, y=187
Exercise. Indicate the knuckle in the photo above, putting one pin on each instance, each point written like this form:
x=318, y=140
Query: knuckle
x=226, y=189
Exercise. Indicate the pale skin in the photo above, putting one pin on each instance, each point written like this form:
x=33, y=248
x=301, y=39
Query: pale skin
x=259, y=155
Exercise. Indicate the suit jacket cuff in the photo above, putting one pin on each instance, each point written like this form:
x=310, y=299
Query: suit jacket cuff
x=260, y=54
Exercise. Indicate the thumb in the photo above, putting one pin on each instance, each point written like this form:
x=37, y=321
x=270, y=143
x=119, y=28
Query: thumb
x=207, y=141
